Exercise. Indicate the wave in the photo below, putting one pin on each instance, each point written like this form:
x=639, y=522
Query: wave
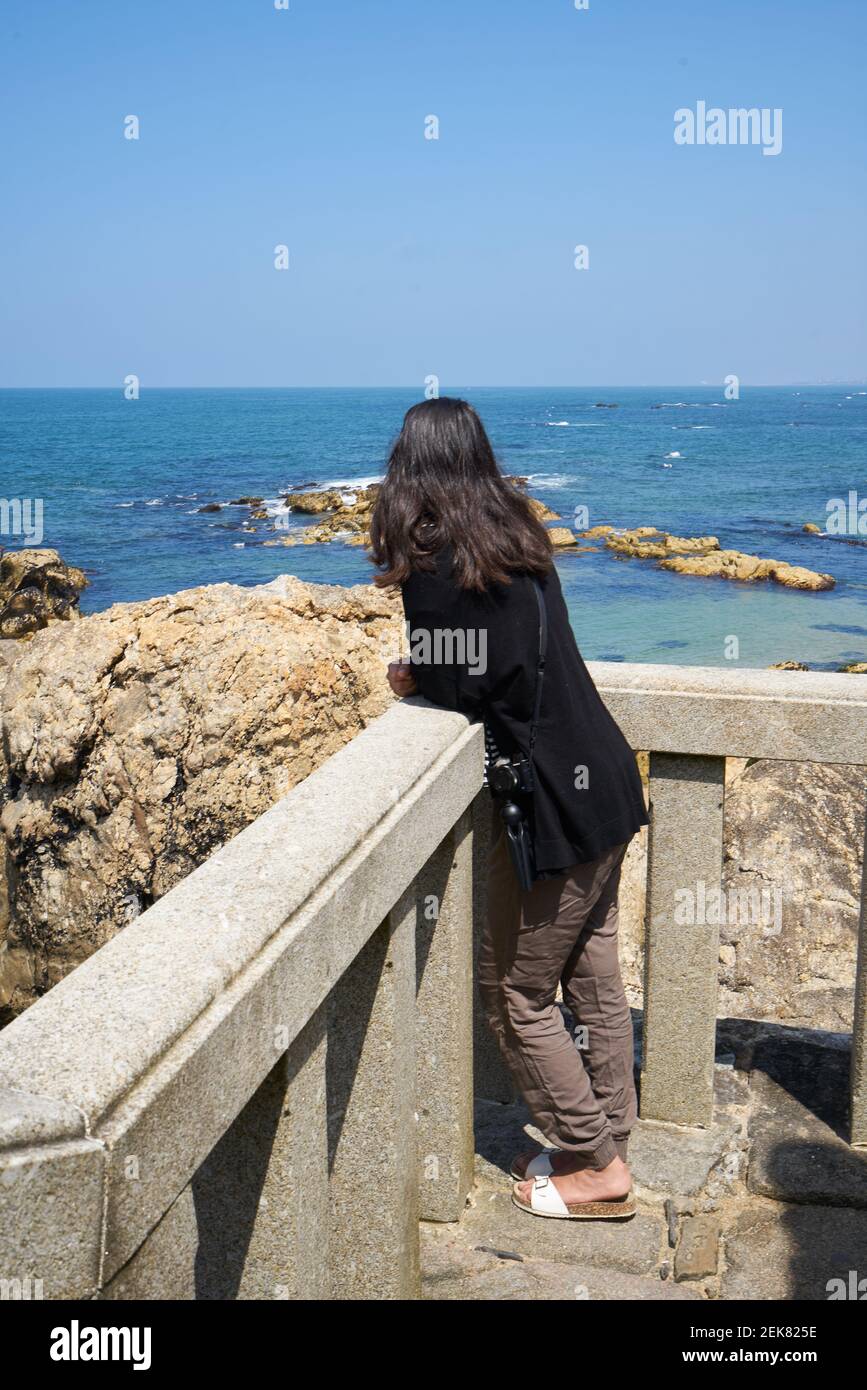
x=552, y=479
x=352, y=484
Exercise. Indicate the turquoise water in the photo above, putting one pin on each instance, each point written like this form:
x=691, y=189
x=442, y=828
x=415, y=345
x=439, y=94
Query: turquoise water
x=122, y=481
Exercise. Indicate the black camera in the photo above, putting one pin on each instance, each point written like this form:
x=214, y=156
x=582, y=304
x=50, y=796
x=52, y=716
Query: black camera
x=511, y=777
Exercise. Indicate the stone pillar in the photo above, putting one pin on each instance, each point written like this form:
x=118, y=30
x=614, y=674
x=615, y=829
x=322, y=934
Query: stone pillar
x=681, y=962
x=374, y=1238
x=491, y=1077
x=261, y=1196
x=858, y=1122
x=444, y=1025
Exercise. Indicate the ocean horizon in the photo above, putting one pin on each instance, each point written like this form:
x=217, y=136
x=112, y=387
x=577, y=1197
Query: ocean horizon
x=122, y=483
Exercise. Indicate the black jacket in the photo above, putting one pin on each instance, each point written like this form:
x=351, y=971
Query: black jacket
x=588, y=795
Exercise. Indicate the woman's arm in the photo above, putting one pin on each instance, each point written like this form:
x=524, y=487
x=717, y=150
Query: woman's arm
x=468, y=648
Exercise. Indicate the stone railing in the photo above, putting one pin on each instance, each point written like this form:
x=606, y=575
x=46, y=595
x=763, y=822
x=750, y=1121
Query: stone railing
x=221, y=1102
x=257, y=1088
x=691, y=719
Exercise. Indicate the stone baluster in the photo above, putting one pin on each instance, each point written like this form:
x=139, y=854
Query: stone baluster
x=681, y=953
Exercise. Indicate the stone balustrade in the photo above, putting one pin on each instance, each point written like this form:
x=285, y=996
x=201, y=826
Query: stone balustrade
x=690, y=719
x=258, y=1087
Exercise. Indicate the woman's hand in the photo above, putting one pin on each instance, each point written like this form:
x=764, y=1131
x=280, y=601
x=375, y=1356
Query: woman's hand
x=401, y=679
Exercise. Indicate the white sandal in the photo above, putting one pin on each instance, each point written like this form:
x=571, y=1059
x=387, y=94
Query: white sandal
x=545, y=1200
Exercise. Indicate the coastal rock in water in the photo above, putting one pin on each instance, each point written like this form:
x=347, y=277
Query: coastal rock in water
x=812, y=529
x=141, y=738
x=37, y=588
x=702, y=555
x=314, y=502
x=731, y=564
x=541, y=512
x=788, y=666
x=646, y=542
x=561, y=537
x=855, y=668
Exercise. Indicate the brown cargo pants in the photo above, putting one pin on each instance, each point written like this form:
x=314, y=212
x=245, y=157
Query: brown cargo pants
x=563, y=931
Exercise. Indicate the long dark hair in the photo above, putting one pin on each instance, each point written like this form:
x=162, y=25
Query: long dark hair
x=443, y=487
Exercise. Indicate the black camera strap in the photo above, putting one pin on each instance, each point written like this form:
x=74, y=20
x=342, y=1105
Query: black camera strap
x=540, y=665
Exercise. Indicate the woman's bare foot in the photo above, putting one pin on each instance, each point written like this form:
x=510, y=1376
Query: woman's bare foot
x=583, y=1184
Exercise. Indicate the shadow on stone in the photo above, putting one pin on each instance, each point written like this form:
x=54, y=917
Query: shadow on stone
x=228, y=1186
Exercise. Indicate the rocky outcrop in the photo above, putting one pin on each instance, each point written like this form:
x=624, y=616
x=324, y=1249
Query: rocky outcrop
x=646, y=542
x=36, y=588
x=315, y=502
x=563, y=539
x=793, y=832
x=541, y=512
x=139, y=739
x=702, y=555
x=731, y=564
x=347, y=515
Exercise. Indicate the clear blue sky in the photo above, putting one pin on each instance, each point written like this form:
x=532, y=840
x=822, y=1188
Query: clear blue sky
x=409, y=256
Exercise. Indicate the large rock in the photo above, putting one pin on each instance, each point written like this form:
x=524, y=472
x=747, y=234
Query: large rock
x=647, y=543
x=702, y=555
x=793, y=832
x=36, y=588
x=139, y=739
x=748, y=569
x=796, y=832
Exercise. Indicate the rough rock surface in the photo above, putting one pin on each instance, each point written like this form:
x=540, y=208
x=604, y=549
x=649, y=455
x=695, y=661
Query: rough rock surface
x=702, y=555
x=794, y=832
x=139, y=739
x=36, y=588
x=731, y=564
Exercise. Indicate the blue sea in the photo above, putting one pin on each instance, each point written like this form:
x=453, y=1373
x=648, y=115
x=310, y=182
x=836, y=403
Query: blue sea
x=122, y=483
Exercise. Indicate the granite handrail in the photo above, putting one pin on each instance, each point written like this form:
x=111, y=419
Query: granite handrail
x=207, y=1020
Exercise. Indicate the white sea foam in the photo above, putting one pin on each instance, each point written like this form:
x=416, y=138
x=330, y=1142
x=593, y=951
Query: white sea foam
x=275, y=506
x=551, y=479
x=351, y=484
x=675, y=454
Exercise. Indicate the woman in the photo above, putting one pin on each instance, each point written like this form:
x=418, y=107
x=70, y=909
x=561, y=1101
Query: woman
x=476, y=573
